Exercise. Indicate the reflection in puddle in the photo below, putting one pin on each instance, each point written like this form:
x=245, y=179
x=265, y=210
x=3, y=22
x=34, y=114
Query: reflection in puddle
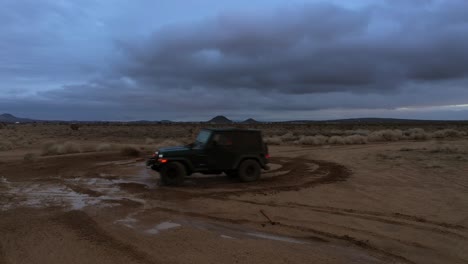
x=75, y=194
x=162, y=226
x=276, y=238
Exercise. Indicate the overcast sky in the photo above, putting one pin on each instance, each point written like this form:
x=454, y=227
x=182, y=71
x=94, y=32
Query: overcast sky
x=266, y=59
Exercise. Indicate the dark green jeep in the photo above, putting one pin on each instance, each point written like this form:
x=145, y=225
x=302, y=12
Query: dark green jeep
x=236, y=152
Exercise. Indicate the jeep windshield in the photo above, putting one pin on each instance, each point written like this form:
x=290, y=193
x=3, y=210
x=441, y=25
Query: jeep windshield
x=202, y=138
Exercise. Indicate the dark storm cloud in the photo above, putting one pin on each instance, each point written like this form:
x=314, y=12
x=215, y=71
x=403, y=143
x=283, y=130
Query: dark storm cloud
x=314, y=48
x=298, y=57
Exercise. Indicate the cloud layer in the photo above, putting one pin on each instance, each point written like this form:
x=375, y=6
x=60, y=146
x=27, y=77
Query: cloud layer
x=294, y=59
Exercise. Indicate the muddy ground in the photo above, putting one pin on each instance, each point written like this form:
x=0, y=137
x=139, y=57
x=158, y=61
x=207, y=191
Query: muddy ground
x=404, y=202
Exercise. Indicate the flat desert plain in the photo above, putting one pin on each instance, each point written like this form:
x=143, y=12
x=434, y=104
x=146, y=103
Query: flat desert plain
x=88, y=199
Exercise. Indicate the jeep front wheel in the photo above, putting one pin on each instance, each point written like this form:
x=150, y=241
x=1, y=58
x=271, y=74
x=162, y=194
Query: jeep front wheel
x=173, y=174
x=249, y=171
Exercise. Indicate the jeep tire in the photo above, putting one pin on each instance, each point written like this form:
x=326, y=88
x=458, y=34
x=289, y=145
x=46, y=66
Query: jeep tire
x=173, y=174
x=249, y=170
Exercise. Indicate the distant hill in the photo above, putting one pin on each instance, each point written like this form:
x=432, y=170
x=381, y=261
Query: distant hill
x=250, y=121
x=220, y=120
x=9, y=118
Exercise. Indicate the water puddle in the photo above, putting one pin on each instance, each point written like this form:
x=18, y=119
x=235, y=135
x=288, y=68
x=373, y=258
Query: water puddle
x=162, y=226
x=237, y=232
x=277, y=238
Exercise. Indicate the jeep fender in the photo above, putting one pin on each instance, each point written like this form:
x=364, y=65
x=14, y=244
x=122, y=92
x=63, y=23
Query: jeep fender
x=188, y=165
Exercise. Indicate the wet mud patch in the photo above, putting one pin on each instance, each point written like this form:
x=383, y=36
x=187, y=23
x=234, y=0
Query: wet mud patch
x=295, y=174
x=133, y=187
x=88, y=229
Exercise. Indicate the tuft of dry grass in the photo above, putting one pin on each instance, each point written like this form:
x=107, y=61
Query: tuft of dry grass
x=386, y=135
x=273, y=140
x=288, y=137
x=446, y=149
x=30, y=157
x=149, y=141
x=448, y=133
x=355, y=139
x=336, y=140
x=312, y=140
x=417, y=134
x=104, y=147
x=6, y=145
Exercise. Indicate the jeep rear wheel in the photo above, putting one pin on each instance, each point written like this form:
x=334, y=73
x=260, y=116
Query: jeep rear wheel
x=173, y=174
x=249, y=171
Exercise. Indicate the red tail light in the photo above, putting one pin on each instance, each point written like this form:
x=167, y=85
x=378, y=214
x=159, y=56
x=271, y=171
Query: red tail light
x=162, y=160
x=267, y=156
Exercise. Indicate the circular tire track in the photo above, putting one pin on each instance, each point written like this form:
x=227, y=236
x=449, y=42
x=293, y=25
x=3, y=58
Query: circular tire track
x=298, y=176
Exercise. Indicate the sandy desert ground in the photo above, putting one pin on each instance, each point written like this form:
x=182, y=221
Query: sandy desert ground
x=402, y=201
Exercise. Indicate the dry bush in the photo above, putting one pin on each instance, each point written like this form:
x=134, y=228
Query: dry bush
x=5, y=145
x=312, y=140
x=54, y=148
x=74, y=127
x=336, y=140
x=30, y=157
x=149, y=141
x=361, y=132
x=417, y=134
x=104, y=147
x=447, y=133
x=273, y=140
x=355, y=139
x=445, y=149
x=131, y=151
x=2, y=126
x=288, y=137
x=386, y=135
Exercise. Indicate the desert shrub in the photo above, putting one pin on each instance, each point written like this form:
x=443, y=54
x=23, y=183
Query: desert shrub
x=53, y=148
x=355, y=139
x=288, y=137
x=104, y=147
x=446, y=133
x=2, y=125
x=131, y=151
x=361, y=132
x=417, y=134
x=386, y=135
x=30, y=157
x=5, y=145
x=149, y=141
x=74, y=127
x=312, y=140
x=445, y=149
x=273, y=140
x=336, y=140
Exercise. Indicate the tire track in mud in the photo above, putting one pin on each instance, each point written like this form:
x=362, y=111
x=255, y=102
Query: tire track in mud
x=2, y=255
x=299, y=177
x=375, y=216
x=313, y=234
x=88, y=229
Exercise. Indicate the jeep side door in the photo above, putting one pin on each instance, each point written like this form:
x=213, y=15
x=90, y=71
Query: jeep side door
x=221, y=152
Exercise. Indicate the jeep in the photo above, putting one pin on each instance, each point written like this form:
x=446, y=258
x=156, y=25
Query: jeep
x=239, y=153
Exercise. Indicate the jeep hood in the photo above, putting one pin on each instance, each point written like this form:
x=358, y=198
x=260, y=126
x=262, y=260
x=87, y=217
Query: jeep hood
x=170, y=151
